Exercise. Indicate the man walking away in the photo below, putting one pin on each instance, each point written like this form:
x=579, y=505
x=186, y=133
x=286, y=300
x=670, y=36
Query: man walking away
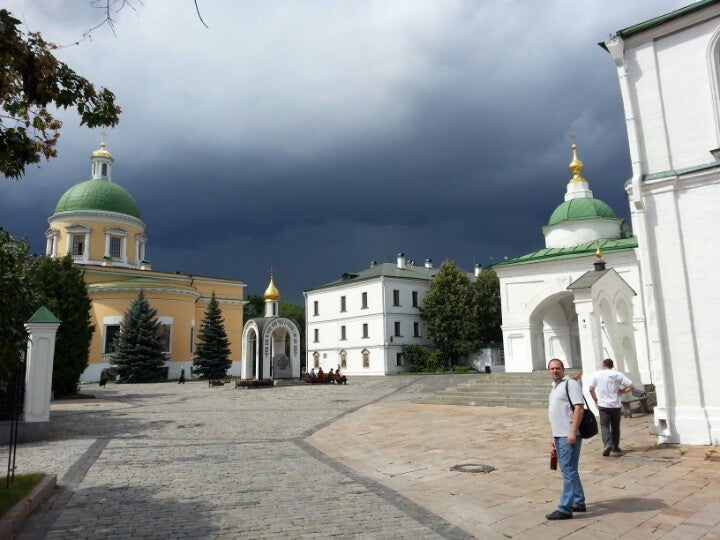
x=565, y=412
x=606, y=387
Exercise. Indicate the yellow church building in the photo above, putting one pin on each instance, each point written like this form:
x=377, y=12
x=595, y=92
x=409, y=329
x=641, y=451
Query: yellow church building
x=98, y=223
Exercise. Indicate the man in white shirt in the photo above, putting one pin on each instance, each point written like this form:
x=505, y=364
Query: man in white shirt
x=606, y=387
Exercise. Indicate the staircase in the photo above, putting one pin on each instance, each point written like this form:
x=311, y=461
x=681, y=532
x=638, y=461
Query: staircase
x=498, y=390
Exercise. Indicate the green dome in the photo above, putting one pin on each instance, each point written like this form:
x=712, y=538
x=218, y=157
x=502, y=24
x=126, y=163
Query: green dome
x=98, y=194
x=576, y=209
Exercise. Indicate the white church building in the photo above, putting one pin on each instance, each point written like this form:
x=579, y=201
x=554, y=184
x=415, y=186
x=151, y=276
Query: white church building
x=653, y=307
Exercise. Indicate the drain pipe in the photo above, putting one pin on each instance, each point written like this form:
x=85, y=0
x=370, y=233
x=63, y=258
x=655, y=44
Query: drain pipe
x=616, y=47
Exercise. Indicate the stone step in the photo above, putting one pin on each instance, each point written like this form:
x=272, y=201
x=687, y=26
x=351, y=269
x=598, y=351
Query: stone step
x=498, y=390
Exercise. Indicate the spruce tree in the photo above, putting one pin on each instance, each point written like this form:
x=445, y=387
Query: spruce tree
x=138, y=355
x=213, y=349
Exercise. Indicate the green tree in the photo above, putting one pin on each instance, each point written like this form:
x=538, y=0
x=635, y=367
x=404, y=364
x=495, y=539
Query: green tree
x=15, y=309
x=139, y=355
x=450, y=314
x=254, y=307
x=31, y=79
x=58, y=284
x=489, y=313
x=296, y=312
x=212, y=354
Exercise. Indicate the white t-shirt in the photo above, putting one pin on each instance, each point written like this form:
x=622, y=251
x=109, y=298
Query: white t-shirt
x=606, y=383
x=560, y=412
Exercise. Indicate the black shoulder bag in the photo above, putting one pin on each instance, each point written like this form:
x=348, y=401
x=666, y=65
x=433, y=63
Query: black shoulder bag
x=588, y=425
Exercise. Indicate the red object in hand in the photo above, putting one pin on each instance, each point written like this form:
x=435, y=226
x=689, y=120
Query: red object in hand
x=553, y=460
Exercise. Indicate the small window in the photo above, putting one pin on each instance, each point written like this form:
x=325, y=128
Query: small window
x=416, y=329
x=366, y=358
x=192, y=339
x=342, y=333
x=164, y=332
x=343, y=359
x=316, y=360
x=365, y=330
x=396, y=297
x=112, y=331
x=316, y=335
x=78, y=244
x=316, y=308
x=115, y=245
x=415, y=299
x=343, y=306
x=104, y=170
x=399, y=359
x=397, y=329
x=364, y=303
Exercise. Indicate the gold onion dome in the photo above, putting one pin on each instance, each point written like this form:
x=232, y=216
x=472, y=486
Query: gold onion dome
x=271, y=293
x=576, y=166
x=102, y=152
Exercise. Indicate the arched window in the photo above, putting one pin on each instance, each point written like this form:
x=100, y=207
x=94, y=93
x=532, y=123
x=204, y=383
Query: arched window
x=104, y=170
x=316, y=360
x=343, y=359
x=366, y=358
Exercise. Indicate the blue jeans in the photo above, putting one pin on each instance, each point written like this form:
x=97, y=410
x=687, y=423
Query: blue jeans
x=568, y=459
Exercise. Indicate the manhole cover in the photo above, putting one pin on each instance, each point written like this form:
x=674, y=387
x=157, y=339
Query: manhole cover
x=473, y=468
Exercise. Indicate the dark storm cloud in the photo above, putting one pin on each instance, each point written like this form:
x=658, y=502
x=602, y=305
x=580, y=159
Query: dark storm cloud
x=315, y=137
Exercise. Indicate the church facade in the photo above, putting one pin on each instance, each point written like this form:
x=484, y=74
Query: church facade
x=99, y=224
x=652, y=307
x=669, y=74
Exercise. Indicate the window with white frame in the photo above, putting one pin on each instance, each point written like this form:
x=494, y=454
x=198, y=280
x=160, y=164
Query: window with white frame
x=316, y=360
x=364, y=302
x=366, y=358
x=397, y=329
x=396, y=297
x=111, y=332
x=343, y=304
x=78, y=245
x=365, y=330
x=343, y=335
x=399, y=359
x=165, y=335
x=115, y=247
x=343, y=359
x=316, y=308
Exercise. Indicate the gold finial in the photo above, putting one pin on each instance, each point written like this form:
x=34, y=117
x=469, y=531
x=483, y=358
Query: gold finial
x=576, y=166
x=598, y=253
x=102, y=152
x=271, y=293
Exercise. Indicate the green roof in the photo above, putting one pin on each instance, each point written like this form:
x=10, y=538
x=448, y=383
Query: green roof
x=384, y=270
x=576, y=209
x=582, y=250
x=44, y=315
x=98, y=194
x=663, y=18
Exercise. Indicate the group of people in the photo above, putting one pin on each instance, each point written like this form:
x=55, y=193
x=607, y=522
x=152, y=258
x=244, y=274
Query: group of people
x=335, y=376
x=565, y=411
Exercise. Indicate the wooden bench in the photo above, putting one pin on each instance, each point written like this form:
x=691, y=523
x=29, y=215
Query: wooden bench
x=645, y=399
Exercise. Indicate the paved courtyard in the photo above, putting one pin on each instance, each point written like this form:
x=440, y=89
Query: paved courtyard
x=363, y=460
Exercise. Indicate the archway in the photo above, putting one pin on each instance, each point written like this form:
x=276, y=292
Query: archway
x=554, y=331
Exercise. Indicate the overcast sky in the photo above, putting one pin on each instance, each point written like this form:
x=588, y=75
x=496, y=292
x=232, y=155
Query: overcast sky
x=317, y=136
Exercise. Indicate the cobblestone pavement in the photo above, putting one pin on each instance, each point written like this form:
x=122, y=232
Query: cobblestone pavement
x=356, y=461
x=172, y=461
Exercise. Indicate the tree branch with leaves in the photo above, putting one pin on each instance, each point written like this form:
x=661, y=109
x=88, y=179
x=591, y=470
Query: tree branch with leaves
x=31, y=80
